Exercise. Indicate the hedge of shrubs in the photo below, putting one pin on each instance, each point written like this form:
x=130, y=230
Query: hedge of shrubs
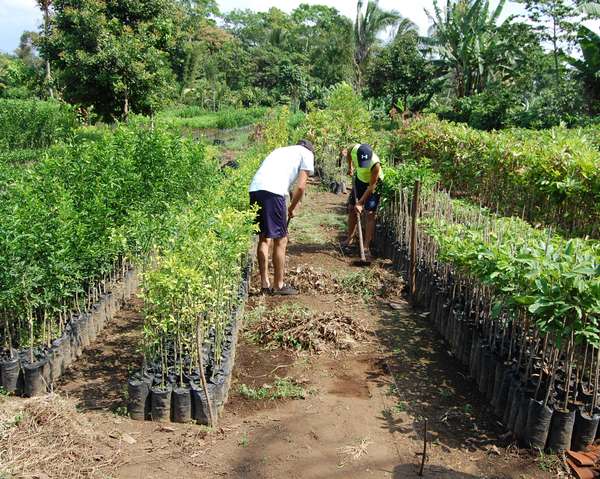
x=550, y=177
x=33, y=124
x=78, y=217
x=192, y=294
x=519, y=307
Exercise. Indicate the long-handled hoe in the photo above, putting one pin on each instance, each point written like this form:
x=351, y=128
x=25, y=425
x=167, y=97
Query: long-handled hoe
x=363, y=260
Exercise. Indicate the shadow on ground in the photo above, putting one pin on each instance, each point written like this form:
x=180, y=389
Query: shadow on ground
x=99, y=376
x=430, y=383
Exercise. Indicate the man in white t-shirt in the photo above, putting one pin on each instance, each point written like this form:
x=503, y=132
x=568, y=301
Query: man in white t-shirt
x=277, y=173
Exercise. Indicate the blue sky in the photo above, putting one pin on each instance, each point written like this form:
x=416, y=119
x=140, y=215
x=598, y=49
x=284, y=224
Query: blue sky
x=19, y=15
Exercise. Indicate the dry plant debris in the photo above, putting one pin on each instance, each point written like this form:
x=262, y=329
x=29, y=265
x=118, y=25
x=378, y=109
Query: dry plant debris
x=355, y=452
x=307, y=279
x=367, y=283
x=297, y=328
x=46, y=437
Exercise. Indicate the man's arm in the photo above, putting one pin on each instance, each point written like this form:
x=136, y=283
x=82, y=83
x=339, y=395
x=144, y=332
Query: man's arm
x=298, y=192
x=371, y=189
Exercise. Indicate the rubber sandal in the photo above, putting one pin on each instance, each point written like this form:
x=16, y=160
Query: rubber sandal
x=287, y=290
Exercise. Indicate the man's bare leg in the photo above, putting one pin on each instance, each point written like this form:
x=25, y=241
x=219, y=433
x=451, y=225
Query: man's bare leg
x=351, y=224
x=279, y=249
x=263, y=261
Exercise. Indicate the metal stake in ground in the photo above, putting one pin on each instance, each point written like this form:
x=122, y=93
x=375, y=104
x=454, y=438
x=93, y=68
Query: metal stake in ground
x=202, y=376
x=424, y=458
x=413, y=239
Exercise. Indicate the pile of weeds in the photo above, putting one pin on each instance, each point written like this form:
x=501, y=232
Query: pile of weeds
x=307, y=279
x=297, y=328
x=371, y=283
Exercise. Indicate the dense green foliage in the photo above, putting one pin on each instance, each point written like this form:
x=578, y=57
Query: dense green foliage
x=403, y=75
x=550, y=177
x=30, y=124
x=113, y=56
x=501, y=72
x=344, y=122
x=476, y=65
x=69, y=217
x=555, y=280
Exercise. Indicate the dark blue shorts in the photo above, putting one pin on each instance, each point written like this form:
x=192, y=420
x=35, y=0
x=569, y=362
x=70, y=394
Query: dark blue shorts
x=272, y=214
x=372, y=203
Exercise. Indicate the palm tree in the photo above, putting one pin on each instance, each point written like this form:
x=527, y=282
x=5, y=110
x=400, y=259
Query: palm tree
x=463, y=37
x=406, y=27
x=368, y=25
x=591, y=8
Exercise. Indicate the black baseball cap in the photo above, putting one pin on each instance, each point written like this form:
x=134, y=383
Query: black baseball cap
x=308, y=145
x=364, y=155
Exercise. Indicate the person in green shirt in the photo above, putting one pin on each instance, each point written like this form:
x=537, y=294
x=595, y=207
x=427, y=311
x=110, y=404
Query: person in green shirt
x=365, y=168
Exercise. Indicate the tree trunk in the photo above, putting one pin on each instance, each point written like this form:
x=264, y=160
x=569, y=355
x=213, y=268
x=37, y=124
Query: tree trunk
x=126, y=106
x=46, y=10
x=555, y=50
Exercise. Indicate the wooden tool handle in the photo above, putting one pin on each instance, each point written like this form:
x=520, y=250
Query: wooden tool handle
x=358, y=223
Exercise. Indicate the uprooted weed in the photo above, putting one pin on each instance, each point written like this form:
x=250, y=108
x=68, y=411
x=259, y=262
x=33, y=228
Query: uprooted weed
x=295, y=327
x=45, y=435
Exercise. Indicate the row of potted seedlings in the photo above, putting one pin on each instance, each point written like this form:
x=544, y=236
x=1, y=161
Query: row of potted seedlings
x=534, y=356
x=170, y=388
x=32, y=370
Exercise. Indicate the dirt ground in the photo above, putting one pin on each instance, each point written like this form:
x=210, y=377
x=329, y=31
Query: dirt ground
x=365, y=408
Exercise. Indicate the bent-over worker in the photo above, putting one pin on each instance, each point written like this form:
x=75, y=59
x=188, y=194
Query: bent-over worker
x=365, y=168
x=277, y=173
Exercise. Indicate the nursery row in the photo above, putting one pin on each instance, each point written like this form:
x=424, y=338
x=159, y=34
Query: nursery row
x=550, y=177
x=519, y=307
x=32, y=376
x=72, y=220
x=34, y=124
x=193, y=298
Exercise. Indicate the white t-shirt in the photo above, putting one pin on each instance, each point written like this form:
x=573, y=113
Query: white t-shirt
x=280, y=169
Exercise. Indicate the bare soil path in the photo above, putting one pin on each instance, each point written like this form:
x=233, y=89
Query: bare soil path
x=362, y=416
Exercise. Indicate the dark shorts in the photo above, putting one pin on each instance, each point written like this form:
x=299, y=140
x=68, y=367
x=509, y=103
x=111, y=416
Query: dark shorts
x=372, y=203
x=272, y=214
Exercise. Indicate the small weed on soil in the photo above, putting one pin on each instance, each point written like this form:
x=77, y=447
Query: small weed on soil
x=371, y=283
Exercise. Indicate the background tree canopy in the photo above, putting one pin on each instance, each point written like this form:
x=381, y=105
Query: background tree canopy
x=474, y=65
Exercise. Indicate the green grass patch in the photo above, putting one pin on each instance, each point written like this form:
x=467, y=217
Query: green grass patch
x=194, y=117
x=364, y=282
x=282, y=388
x=315, y=228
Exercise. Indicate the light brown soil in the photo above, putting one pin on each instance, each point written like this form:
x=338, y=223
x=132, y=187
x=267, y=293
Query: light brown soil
x=363, y=418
